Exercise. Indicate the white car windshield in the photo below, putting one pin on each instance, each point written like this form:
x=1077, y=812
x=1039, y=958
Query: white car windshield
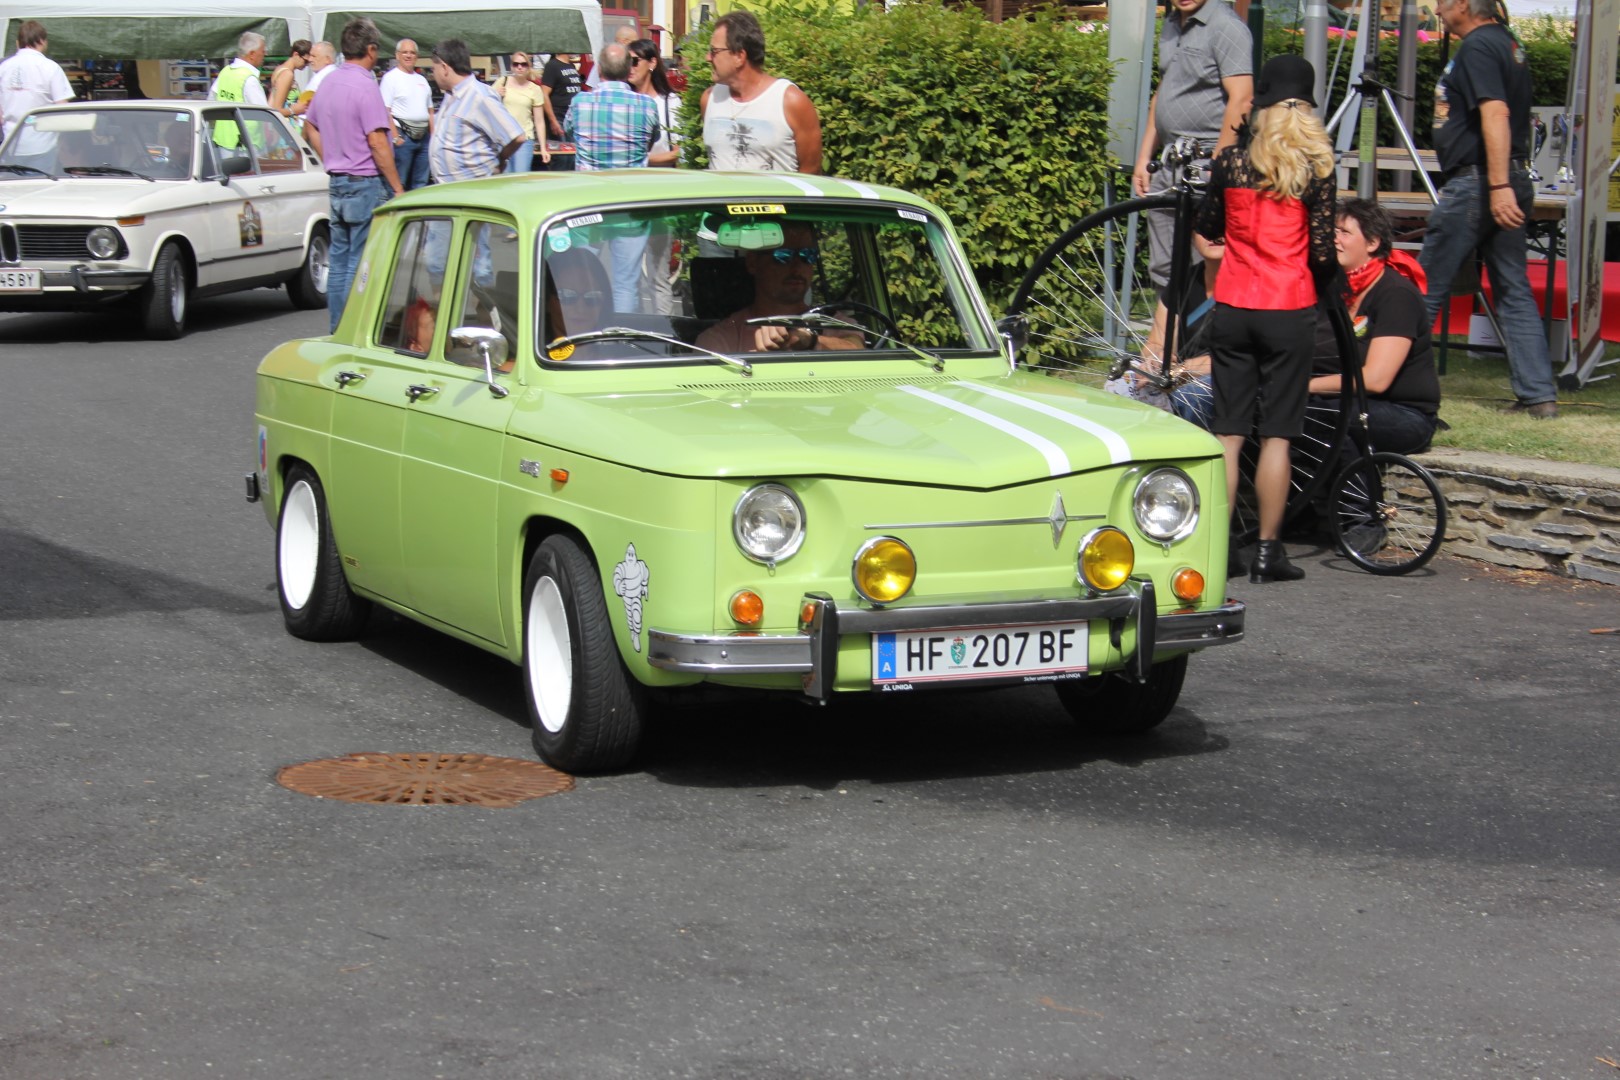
x=155, y=143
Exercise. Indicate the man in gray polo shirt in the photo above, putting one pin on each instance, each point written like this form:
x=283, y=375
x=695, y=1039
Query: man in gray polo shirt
x=1206, y=83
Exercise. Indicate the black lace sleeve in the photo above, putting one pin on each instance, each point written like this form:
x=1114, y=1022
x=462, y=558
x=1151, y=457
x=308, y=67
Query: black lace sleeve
x=1321, y=200
x=1211, y=224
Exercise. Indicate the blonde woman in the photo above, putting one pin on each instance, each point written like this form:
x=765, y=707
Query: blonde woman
x=1270, y=202
x=526, y=101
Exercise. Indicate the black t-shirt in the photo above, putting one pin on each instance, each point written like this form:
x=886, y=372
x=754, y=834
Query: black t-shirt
x=1392, y=308
x=1489, y=66
x=562, y=79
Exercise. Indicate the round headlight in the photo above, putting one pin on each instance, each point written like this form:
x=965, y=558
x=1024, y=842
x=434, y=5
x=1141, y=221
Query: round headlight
x=1106, y=559
x=884, y=569
x=102, y=242
x=768, y=523
x=1166, y=505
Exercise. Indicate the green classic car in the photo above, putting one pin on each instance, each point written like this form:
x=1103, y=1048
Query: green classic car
x=645, y=429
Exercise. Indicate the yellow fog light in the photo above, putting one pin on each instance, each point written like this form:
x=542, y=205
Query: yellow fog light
x=1188, y=584
x=884, y=570
x=1106, y=559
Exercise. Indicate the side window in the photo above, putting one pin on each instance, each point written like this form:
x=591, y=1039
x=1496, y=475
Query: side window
x=226, y=137
x=272, y=145
x=488, y=286
x=411, y=316
x=917, y=299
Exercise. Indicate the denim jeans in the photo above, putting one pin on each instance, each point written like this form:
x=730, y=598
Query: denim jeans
x=1398, y=429
x=411, y=159
x=628, y=253
x=522, y=159
x=1461, y=223
x=353, y=199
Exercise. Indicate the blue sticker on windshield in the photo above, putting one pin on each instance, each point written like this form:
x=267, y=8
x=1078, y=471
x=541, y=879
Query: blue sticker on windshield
x=559, y=240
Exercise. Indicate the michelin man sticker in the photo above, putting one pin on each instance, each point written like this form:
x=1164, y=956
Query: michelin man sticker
x=630, y=580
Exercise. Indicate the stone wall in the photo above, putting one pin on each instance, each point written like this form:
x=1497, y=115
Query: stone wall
x=1539, y=515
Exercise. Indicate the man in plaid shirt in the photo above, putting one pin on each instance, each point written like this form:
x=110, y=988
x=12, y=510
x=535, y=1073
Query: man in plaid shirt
x=615, y=128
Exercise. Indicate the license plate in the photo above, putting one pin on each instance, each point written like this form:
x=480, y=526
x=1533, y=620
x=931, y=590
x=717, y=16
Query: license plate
x=978, y=652
x=20, y=281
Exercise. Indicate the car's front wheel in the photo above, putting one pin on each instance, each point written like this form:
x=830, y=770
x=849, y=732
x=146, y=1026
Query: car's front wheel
x=166, y=298
x=585, y=708
x=1117, y=705
x=316, y=602
x=307, y=289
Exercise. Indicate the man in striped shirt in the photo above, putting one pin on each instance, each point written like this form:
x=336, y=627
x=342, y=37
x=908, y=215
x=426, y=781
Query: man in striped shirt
x=615, y=128
x=473, y=134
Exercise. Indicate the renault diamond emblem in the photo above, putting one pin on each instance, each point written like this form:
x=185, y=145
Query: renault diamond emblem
x=1060, y=519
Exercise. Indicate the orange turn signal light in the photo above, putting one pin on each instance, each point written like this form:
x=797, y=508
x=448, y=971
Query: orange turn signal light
x=127, y=222
x=747, y=609
x=1188, y=584
x=560, y=475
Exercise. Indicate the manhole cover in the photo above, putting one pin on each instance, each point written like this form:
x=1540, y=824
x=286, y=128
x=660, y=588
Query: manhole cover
x=425, y=779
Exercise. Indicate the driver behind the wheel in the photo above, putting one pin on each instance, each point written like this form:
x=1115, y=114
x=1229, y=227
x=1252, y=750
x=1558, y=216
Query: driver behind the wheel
x=782, y=279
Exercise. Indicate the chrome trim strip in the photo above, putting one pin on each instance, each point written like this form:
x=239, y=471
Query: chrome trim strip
x=1048, y=520
x=759, y=654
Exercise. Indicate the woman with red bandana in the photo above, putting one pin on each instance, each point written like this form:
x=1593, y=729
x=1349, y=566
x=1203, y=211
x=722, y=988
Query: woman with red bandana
x=1270, y=201
x=1385, y=301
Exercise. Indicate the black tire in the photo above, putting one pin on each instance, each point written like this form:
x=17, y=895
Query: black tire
x=316, y=602
x=1115, y=705
x=166, y=299
x=1088, y=297
x=585, y=708
x=307, y=290
x=1387, y=514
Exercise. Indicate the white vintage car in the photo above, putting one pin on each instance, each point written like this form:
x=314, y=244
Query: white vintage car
x=158, y=202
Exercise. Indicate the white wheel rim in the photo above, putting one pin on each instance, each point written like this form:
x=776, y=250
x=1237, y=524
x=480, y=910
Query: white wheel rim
x=298, y=544
x=177, y=292
x=549, y=657
x=319, y=263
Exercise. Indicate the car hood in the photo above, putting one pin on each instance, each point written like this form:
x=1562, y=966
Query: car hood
x=98, y=197
x=930, y=429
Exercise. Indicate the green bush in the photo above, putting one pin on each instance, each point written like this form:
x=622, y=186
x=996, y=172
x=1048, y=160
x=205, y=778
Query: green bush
x=1004, y=126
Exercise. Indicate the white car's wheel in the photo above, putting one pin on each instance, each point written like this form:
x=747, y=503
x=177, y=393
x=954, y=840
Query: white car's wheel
x=316, y=603
x=165, y=298
x=585, y=707
x=307, y=289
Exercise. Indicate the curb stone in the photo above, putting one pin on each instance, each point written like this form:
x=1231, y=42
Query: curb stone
x=1529, y=514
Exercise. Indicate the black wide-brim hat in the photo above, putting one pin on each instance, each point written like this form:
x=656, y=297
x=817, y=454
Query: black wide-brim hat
x=1285, y=77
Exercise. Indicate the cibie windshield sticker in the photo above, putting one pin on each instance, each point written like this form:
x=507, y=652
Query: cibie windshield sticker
x=583, y=220
x=559, y=240
x=630, y=580
x=756, y=208
x=912, y=215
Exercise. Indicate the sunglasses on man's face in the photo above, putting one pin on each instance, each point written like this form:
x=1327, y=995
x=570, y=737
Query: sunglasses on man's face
x=574, y=296
x=784, y=255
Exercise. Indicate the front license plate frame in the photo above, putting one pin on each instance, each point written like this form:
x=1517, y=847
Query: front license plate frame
x=967, y=653
x=22, y=280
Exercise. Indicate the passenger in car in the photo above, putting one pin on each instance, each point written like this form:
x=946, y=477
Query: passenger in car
x=577, y=293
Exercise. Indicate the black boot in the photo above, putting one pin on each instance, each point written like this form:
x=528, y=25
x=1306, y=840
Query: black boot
x=1271, y=564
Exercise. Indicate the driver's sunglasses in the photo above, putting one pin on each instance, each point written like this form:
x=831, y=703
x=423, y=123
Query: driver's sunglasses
x=573, y=296
x=810, y=255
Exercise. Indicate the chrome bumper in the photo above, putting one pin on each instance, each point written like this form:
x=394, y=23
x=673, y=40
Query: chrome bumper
x=812, y=653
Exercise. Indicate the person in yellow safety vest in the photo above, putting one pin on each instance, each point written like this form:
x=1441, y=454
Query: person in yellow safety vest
x=239, y=82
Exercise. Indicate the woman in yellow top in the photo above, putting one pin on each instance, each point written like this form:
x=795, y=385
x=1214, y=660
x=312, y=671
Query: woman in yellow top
x=281, y=79
x=526, y=101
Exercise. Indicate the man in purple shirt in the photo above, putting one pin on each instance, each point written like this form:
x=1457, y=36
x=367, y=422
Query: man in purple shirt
x=348, y=126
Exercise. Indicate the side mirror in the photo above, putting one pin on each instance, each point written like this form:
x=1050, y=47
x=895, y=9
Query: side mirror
x=234, y=166
x=479, y=346
x=1014, y=331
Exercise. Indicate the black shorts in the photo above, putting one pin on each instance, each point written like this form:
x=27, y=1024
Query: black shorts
x=1261, y=363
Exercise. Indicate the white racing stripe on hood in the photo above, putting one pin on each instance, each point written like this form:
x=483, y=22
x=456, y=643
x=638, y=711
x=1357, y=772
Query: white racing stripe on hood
x=862, y=190
x=1118, y=450
x=1056, y=460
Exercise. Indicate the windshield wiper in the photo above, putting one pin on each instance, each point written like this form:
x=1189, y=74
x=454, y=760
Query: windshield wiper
x=823, y=321
x=105, y=170
x=628, y=333
x=21, y=169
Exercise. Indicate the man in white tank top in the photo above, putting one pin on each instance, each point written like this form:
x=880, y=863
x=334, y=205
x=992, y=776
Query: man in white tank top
x=753, y=121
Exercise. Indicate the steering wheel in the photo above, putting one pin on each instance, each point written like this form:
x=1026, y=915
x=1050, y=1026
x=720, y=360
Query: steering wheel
x=868, y=339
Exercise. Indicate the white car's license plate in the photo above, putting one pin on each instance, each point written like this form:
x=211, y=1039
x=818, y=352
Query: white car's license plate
x=20, y=281
x=978, y=652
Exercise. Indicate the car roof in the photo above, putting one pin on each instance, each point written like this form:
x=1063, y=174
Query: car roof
x=166, y=104
x=541, y=194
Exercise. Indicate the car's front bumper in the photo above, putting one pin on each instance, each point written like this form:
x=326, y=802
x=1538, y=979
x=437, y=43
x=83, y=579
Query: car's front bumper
x=812, y=653
x=75, y=287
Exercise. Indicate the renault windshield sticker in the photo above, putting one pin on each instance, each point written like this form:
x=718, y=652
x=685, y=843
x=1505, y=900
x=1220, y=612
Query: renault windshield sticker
x=559, y=240
x=583, y=220
x=912, y=215
x=755, y=208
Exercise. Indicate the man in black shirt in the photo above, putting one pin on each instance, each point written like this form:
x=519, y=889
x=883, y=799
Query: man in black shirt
x=1482, y=138
x=560, y=83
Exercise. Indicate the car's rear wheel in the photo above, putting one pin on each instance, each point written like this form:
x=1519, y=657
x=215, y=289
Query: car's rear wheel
x=166, y=298
x=585, y=708
x=316, y=602
x=1116, y=705
x=307, y=290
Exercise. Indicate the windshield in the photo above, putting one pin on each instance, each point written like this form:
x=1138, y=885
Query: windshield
x=759, y=279
x=100, y=142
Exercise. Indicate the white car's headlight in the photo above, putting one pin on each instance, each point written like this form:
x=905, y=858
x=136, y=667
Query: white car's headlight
x=102, y=242
x=1166, y=505
x=768, y=523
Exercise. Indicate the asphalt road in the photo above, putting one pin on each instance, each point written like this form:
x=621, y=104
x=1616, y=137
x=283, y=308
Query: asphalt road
x=1380, y=838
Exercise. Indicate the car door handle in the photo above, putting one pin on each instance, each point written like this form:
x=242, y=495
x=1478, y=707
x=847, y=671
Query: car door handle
x=416, y=391
x=344, y=378
x=269, y=189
